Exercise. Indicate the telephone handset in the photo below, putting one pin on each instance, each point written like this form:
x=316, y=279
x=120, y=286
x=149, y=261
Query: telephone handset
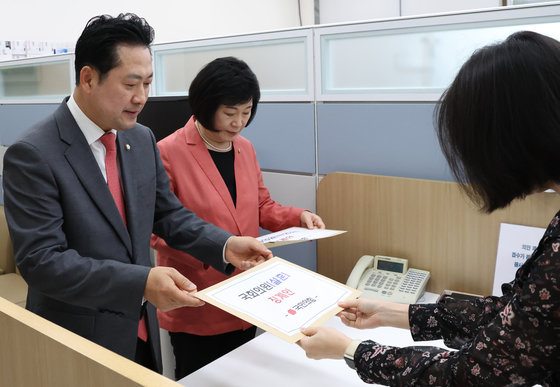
x=388, y=278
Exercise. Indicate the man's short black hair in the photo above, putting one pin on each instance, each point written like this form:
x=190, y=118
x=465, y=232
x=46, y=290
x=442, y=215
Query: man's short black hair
x=499, y=122
x=224, y=81
x=97, y=45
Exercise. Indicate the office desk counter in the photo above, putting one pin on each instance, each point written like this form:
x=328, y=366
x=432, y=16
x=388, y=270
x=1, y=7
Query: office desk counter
x=269, y=361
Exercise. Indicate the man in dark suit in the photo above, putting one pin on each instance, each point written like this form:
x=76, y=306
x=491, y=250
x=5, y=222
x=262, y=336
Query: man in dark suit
x=81, y=244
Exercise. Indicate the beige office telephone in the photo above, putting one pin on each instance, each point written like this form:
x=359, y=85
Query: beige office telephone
x=388, y=278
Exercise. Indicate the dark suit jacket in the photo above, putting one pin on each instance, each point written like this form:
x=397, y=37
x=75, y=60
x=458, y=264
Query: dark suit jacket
x=85, y=270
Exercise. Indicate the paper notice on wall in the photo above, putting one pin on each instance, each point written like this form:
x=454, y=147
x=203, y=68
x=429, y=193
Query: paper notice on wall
x=515, y=245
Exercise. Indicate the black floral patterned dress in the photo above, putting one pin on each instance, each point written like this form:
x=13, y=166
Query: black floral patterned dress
x=513, y=340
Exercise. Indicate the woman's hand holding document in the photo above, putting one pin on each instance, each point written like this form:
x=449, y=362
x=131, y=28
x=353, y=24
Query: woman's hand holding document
x=280, y=297
x=296, y=235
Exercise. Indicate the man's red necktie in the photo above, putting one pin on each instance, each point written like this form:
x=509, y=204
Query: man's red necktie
x=108, y=140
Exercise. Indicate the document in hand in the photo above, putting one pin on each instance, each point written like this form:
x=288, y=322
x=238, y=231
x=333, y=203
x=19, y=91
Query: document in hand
x=296, y=235
x=279, y=297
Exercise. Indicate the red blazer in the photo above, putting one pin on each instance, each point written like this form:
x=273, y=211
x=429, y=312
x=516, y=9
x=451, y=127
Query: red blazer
x=199, y=186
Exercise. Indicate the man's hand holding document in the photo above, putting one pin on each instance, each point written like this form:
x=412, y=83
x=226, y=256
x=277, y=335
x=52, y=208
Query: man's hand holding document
x=280, y=297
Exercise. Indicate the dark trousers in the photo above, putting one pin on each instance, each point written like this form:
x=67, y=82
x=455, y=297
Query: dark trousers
x=144, y=355
x=193, y=352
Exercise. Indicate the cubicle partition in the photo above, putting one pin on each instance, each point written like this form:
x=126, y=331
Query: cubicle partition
x=431, y=223
x=36, y=352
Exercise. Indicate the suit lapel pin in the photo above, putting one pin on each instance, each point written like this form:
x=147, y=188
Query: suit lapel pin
x=127, y=147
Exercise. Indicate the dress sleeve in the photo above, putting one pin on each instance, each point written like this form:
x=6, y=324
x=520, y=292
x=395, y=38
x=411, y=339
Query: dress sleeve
x=453, y=320
x=514, y=343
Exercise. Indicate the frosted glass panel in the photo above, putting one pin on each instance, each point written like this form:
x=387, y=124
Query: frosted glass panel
x=411, y=60
x=35, y=81
x=280, y=65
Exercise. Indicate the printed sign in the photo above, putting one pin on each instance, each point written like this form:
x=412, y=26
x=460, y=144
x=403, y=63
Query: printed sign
x=515, y=245
x=279, y=297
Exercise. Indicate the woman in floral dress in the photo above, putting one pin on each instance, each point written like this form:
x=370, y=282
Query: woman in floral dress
x=499, y=128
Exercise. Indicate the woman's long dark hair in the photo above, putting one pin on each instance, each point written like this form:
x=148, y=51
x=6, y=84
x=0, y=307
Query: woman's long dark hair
x=498, y=123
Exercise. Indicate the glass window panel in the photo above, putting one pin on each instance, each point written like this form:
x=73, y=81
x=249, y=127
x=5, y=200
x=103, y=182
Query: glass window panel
x=416, y=60
x=280, y=65
x=36, y=81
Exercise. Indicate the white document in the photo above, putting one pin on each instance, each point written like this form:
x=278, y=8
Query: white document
x=515, y=245
x=295, y=235
x=280, y=297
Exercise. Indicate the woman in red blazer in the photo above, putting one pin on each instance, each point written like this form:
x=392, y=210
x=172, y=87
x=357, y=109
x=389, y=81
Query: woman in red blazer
x=215, y=173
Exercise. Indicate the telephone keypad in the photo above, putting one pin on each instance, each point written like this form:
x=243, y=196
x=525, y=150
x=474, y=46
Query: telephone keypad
x=412, y=281
x=383, y=283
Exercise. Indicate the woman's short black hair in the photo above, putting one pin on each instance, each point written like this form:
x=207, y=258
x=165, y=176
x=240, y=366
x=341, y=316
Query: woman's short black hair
x=224, y=81
x=498, y=123
x=97, y=45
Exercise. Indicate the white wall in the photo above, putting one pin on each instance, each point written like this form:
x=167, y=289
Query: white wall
x=177, y=20
x=173, y=20
x=419, y=7
x=338, y=11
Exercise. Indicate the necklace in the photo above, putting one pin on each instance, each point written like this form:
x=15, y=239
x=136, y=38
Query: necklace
x=214, y=147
